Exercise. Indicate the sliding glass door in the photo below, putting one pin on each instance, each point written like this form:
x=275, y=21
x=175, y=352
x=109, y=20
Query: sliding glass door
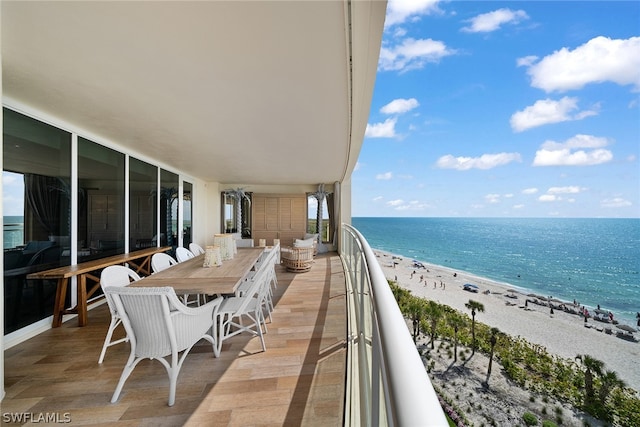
x=37, y=214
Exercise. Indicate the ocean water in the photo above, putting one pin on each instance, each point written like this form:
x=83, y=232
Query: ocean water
x=594, y=261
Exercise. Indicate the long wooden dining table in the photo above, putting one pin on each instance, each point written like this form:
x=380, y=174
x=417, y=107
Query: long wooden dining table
x=190, y=277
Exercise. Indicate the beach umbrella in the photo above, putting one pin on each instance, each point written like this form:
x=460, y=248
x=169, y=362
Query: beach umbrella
x=626, y=328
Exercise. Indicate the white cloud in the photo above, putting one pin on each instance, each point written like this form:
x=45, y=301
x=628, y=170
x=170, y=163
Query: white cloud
x=520, y=206
x=546, y=111
x=572, y=189
x=530, y=191
x=616, y=202
x=399, y=106
x=399, y=11
x=578, y=141
x=486, y=161
x=10, y=179
x=492, y=198
x=554, y=193
x=413, y=205
x=385, y=129
x=580, y=150
x=492, y=21
x=526, y=61
x=599, y=60
x=397, y=202
x=384, y=176
x=378, y=198
x=412, y=54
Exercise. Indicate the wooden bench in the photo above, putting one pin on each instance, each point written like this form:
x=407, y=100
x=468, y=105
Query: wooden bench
x=140, y=261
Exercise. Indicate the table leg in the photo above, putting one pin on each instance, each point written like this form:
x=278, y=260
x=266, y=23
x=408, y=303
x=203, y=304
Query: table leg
x=58, y=306
x=82, y=300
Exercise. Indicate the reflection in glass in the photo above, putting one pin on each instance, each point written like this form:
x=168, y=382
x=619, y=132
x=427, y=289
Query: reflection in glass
x=101, y=217
x=187, y=200
x=143, y=183
x=168, y=208
x=236, y=212
x=37, y=214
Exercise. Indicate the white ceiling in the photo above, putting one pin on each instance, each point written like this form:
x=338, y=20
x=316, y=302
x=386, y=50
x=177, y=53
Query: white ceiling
x=235, y=92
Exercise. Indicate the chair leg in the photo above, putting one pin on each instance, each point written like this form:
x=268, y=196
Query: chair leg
x=259, y=328
x=107, y=340
x=173, y=380
x=129, y=367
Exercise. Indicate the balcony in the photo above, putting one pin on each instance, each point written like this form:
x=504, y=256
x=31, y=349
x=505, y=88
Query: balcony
x=302, y=379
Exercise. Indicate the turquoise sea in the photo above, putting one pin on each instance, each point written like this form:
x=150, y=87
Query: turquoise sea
x=594, y=261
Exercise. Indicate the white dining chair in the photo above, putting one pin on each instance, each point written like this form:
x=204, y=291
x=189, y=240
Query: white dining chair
x=159, y=325
x=229, y=316
x=196, y=249
x=115, y=275
x=161, y=261
x=183, y=254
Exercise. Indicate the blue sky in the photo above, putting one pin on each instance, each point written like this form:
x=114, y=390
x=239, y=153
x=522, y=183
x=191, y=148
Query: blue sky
x=504, y=109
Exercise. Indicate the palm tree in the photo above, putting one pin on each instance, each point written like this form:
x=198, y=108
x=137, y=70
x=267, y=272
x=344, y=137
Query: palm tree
x=592, y=366
x=320, y=195
x=238, y=194
x=610, y=381
x=434, y=313
x=493, y=340
x=456, y=322
x=475, y=307
x=416, y=310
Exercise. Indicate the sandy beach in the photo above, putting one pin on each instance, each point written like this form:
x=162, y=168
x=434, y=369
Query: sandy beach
x=561, y=333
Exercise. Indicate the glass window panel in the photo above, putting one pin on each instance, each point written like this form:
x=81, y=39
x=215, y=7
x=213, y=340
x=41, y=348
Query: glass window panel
x=187, y=200
x=101, y=209
x=236, y=212
x=37, y=214
x=143, y=224
x=168, y=208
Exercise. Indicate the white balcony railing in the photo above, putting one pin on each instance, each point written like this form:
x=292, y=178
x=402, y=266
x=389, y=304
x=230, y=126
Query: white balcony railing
x=387, y=383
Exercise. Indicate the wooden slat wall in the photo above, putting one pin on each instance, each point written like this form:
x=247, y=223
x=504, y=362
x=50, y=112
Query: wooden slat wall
x=278, y=216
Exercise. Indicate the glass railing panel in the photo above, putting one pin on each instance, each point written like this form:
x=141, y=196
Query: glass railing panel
x=387, y=381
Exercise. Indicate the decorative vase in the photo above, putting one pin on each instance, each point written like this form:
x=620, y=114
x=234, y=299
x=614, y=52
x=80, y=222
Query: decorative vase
x=212, y=256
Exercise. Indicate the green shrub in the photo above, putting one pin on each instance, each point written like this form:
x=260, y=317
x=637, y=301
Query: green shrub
x=549, y=423
x=530, y=419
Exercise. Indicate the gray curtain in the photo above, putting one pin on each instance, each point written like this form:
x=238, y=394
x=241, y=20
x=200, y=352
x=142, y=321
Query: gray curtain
x=47, y=196
x=332, y=219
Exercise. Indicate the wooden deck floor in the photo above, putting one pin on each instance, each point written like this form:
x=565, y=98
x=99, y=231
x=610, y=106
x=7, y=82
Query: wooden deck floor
x=299, y=380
